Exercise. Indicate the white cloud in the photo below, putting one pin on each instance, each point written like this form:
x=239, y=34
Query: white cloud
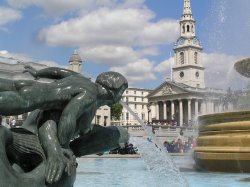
x=162, y=32
x=60, y=7
x=112, y=26
x=219, y=72
x=103, y=26
x=109, y=55
x=8, y=15
x=17, y=56
x=141, y=70
x=164, y=67
x=113, y=37
x=27, y=58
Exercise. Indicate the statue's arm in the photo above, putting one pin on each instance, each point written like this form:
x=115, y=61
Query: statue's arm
x=67, y=124
x=51, y=72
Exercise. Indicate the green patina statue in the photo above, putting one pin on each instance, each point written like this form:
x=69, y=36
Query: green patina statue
x=43, y=151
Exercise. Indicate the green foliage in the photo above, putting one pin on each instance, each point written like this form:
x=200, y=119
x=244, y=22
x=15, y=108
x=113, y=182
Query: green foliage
x=116, y=111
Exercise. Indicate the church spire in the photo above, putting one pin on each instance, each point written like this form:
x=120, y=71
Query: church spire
x=188, y=68
x=187, y=8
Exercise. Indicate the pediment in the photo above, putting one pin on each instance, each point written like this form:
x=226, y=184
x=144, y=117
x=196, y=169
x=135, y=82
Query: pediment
x=167, y=88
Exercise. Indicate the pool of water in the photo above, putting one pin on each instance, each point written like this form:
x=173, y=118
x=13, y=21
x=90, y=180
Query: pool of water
x=127, y=172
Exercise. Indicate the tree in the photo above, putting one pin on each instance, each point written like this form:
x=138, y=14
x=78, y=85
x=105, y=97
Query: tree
x=116, y=111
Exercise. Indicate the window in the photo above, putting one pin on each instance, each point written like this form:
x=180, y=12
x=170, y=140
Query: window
x=183, y=29
x=141, y=93
x=126, y=99
x=127, y=116
x=126, y=91
x=142, y=99
x=134, y=98
x=195, y=57
x=134, y=92
x=182, y=57
x=142, y=106
x=188, y=28
x=135, y=106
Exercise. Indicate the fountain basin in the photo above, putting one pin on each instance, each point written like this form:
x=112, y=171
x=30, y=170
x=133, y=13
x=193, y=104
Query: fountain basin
x=224, y=142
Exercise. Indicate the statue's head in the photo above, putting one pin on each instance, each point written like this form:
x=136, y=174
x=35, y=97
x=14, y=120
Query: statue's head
x=114, y=82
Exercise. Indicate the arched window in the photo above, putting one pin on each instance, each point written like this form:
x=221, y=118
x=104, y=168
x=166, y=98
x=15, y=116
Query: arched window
x=192, y=29
x=195, y=57
x=183, y=29
x=188, y=28
x=182, y=57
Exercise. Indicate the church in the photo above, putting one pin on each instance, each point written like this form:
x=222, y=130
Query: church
x=185, y=96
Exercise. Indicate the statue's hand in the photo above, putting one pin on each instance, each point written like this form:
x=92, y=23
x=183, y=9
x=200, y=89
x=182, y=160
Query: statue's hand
x=58, y=163
x=71, y=161
x=55, y=167
x=31, y=70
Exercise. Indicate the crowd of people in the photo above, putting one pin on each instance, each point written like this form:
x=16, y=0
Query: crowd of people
x=10, y=124
x=128, y=149
x=180, y=145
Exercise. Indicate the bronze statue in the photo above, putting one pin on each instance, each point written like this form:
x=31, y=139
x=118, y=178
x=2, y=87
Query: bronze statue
x=59, y=129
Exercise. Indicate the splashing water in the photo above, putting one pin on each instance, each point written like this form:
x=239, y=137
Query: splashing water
x=156, y=157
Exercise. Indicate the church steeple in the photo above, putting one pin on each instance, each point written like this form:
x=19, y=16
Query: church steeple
x=187, y=22
x=187, y=8
x=188, y=68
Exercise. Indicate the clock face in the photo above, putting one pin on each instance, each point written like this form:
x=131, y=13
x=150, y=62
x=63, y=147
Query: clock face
x=180, y=41
x=181, y=74
x=195, y=41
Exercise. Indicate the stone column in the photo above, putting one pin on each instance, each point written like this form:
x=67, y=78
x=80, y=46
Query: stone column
x=212, y=107
x=181, y=112
x=189, y=110
x=203, y=108
x=172, y=109
x=196, y=110
x=157, y=111
x=152, y=108
x=164, y=110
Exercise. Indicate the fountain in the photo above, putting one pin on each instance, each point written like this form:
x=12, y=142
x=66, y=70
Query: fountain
x=223, y=142
x=155, y=155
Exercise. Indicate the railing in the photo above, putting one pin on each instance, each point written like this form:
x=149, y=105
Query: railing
x=163, y=132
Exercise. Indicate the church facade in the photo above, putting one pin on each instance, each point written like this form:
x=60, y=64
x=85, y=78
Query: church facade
x=185, y=96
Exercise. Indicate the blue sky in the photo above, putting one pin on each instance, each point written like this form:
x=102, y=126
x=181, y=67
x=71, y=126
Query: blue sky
x=134, y=37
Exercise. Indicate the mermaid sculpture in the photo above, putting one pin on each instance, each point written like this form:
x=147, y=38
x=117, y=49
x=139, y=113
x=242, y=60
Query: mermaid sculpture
x=43, y=151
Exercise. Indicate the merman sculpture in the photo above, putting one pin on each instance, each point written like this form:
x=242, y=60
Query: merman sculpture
x=43, y=151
